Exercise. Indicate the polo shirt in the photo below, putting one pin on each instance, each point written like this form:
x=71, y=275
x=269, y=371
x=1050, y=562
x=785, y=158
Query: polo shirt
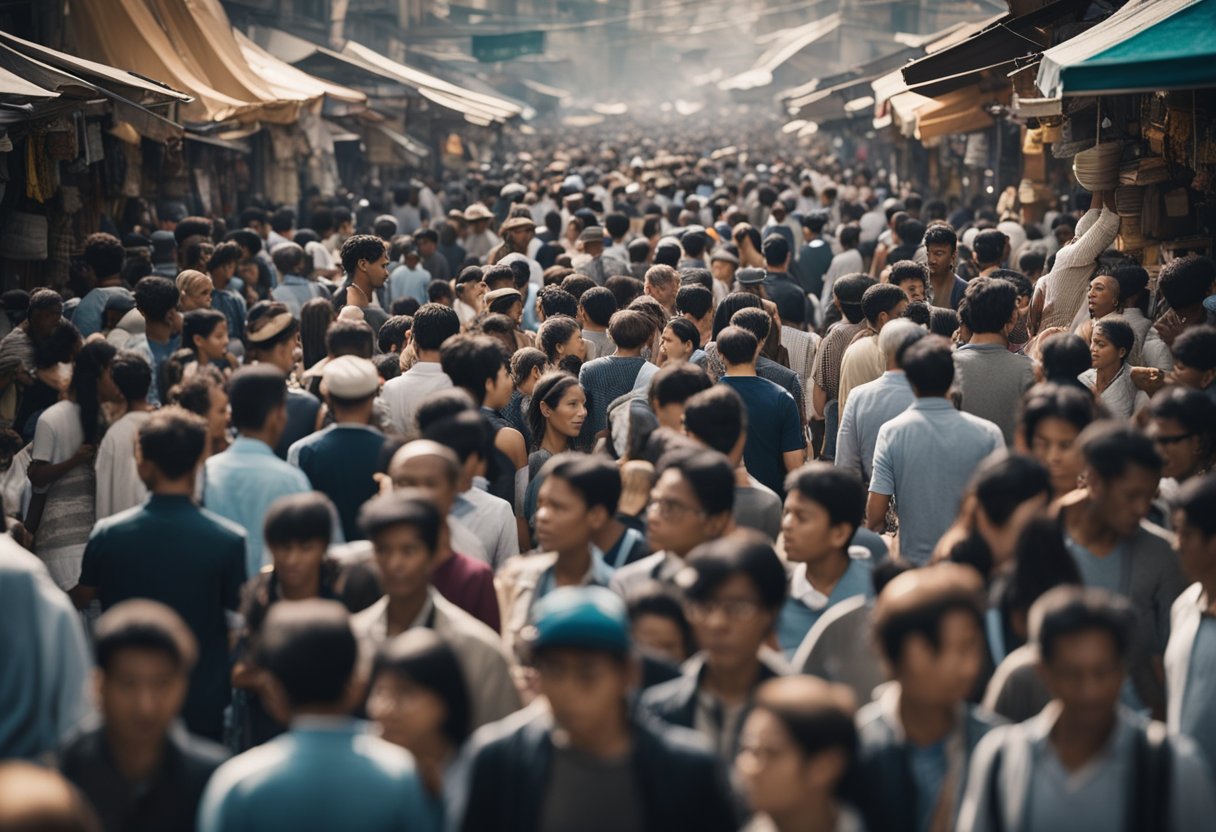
x=189, y=559
x=167, y=800
x=862, y=363
x=870, y=406
x=407, y=391
x=492, y=519
x=805, y=605
x=340, y=462
x=1198, y=717
x=925, y=457
x=773, y=427
x=242, y=482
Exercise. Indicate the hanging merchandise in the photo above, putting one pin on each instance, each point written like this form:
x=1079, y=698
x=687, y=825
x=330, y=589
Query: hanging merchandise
x=24, y=236
x=976, y=154
x=94, y=150
x=38, y=186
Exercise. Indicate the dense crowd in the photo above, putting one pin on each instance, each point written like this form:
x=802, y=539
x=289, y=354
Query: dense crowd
x=615, y=486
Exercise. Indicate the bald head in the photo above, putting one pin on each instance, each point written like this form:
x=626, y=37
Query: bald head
x=429, y=467
x=32, y=797
x=423, y=449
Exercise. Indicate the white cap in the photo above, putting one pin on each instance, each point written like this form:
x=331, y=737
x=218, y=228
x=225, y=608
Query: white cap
x=350, y=377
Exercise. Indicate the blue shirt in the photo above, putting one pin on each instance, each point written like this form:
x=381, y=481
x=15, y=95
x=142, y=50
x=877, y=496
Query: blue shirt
x=156, y=354
x=1105, y=572
x=928, y=764
x=925, y=457
x=89, y=315
x=295, y=291
x=604, y=380
x=869, y=407
x=323, y=774
x=804, y=605
x=773, y=427
x=230, y=302
x=341, y=462
x=405, y=282
x=242, y=482
x=1198, y=719
x=600, y=575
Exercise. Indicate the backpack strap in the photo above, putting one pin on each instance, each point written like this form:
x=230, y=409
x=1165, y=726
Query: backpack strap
x=996, y=817
x=1151, y=776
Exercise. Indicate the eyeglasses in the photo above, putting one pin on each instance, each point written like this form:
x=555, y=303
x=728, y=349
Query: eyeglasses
x=671, y=508
x=738, y=611
x=1172, y=440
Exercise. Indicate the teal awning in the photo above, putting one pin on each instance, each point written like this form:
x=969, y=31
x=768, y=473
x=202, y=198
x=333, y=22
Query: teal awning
x=1178, y=52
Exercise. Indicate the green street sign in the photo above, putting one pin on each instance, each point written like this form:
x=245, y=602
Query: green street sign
x=491, y=48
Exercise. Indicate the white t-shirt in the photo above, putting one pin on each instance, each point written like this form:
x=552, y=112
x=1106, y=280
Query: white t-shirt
x=58, y=434
x=118, y=484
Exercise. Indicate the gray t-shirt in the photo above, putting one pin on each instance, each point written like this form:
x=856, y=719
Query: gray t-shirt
x=758, y=507
x=591, y=795
x=991, y=381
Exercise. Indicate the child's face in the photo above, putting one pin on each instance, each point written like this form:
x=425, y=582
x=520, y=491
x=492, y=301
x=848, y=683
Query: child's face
x=808, y=531
x=297, y=563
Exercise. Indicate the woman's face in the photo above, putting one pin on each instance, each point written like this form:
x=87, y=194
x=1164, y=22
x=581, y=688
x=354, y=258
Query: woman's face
x=198, y=296
x=1103, y=296
x=408, y=714
x=217, y=417
x=1105, y=355
x=574, y=345
x=215, y=346
x=672, y=348
x=1053, y=445
x=107, y=390
x=1180, y=448
x=571, y=411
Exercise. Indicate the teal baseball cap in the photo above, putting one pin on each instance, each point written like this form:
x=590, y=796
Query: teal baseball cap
x=587, y=617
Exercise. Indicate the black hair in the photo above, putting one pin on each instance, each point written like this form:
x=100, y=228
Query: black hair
x=1119, y=332
x=393, y=333
x=991, y=303
x=442, y=404
x=1069, y=403
x=685, y=330
x=173, y=439
x=696, y=301
x=755, y=320
x=576, y=284
x=598, y=305
x=428, y=234
x=103, y=253
x=849, y=236
x=919, y=312
x=929, y=366
x=893, y=628
x=630, y=329
x=310, y=649
x=427, y=660
x=596, y=478
x=254, y=393
x=92, y=360
x=1041, y=561
x=1007, y=481
x=554, y=300
x=737, y=345
x=472, y=360
x=224, y=254
x=1032, y=261
x=906, y=270
x=288, y=258
x=657, y=600
x=360, y=247
x=191, y=227
x=467, y=433
x=880, y=298
x=316, y=316
x=616, y=224
x=299, y=518
x=143, y=624
x=554, y=332
x=59, y=347
x=403, y=507
x=1197, y=502
x=155, y=297
x=814, y=724
x=1064, y=356
x=910, y=231
x=1070, y=610
x=246, y=239
x=1132, y=279
x=731, y=304
x=349, y=338
x=322, y=221
x=200, y=322
x=717, y=417
x=252, y=214
x=1021, y=284
x=848, y=291
x=676, y=383
x=1195, y=348
x=943, y=322
x=1193, y=409
x=438, y=290
x=624, y=288
x=405, y=306
x=775, y=250
x=549, y=390
x=524, y=361
x=989, y=246
x=194, y=393
x=940, y=234
x=840, y=493
x=1111, y=447
x=132, y=375
x=742, y=553
x=433, y=324
x=1186, y=281
x=708, y=474
x=703, y=278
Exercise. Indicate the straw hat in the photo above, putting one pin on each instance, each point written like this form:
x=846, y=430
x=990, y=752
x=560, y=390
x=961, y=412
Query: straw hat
x=1097, y=169
x=477, y=211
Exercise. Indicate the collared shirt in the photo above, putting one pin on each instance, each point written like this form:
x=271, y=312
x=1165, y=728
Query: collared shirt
x=774, y=428
x=492, y=520
x=242, y=482
x=1121, y=397
x=847, y=262
x=661, y=566
x=870, y=407
x=862, y=363
x=405, y=282
x=805, y=605
x=1198, y=717
x=404, y=393
x=826, y=372
x=925, y=457
x=341, y=462
x=784, y=291
x=89, y=315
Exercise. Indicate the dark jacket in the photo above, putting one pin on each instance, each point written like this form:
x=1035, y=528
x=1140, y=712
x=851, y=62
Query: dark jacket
x=682, y=785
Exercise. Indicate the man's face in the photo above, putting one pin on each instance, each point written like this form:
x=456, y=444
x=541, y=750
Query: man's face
x=675, y=519
x=947, y=675
x=808, y=531
x=377, y=270
x=403, y=559
x=520, y=237
x=426, y=247
x=723, y=271
x=1196, y=549
x=297, y=563
x=772, y=769
x=1086, y=675
x=1191, y=377
x=498, y=391
x=1124, y=501
x=732, y=624
x=665, y=295
x=141, y=694
x=885, y=318
x=1180, y=448
x=43, y=321
x=430, y=474
x=914, y=289
x=940, y=258
x=584, y=687
x=563, y=523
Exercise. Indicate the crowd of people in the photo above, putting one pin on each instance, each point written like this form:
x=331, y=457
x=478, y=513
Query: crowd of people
x=607, y=490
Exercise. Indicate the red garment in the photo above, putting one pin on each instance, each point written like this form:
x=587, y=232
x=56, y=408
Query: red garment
x=469, y=584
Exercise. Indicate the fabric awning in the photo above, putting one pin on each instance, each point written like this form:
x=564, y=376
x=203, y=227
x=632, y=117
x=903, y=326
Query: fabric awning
x=15, y=88
x=958, y=111
x=1173, y=47
x=1001, y=44
x=290, y=82
x=187, y=45
x=786, y=46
